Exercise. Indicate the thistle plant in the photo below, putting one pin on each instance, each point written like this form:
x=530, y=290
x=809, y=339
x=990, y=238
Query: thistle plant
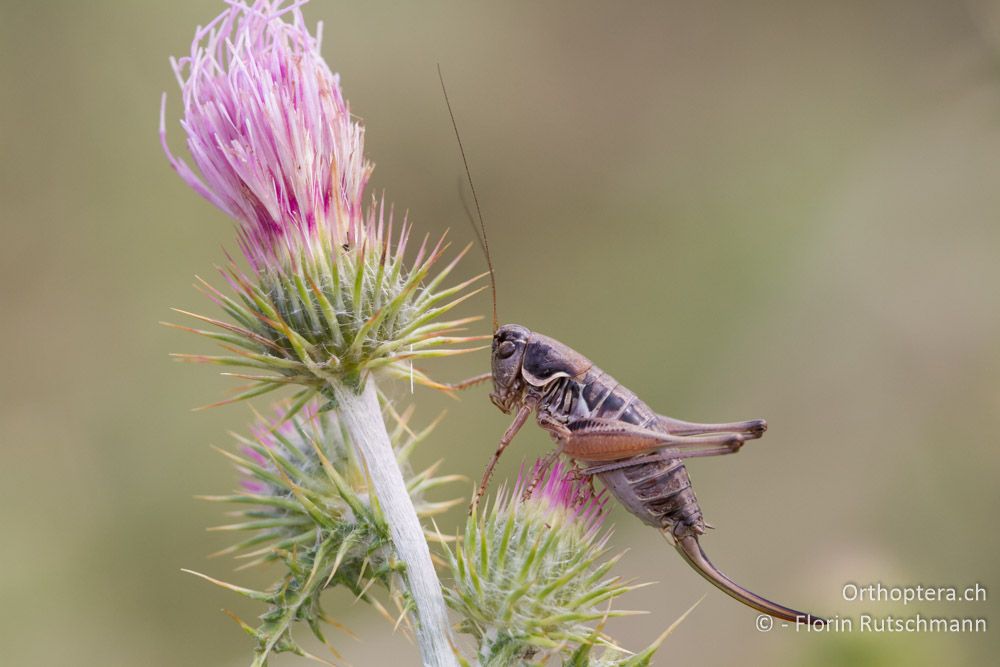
x=532, y=571
x=329, y=301
x=332, y=304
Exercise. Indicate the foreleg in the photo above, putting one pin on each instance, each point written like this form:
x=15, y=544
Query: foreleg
x=519, y=419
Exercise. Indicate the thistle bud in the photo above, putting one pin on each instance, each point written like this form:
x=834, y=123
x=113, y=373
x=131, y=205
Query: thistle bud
x=305, y=503
x=532, y=572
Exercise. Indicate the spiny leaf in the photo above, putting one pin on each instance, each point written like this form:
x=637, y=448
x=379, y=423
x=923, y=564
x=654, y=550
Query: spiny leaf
x=246, y=592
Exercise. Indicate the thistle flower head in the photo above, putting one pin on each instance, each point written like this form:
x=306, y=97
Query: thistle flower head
x=330, y=296
x=271, y=133
x=306, y=503
x=531, y=572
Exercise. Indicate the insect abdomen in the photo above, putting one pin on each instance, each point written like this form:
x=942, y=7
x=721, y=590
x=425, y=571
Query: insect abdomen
x=658, y=492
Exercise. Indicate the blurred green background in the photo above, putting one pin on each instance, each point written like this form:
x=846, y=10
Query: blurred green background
x=774, y=210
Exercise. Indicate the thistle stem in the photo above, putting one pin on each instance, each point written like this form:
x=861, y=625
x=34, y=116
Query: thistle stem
x=362, y=415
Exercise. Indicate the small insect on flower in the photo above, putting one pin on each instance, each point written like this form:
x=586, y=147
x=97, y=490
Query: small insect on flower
x=330, y=296
x=532, y=571
x=306, y=503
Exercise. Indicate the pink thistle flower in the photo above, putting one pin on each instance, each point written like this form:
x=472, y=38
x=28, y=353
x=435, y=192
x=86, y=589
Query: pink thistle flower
x=270, y=133
x=562, y=489
x=273, y=144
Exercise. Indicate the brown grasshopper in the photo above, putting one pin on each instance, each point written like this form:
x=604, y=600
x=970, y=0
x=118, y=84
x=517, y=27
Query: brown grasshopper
x=635, y=452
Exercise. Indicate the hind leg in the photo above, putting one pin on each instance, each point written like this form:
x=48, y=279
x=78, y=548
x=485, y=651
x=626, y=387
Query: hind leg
x=599, y=440
x=750, y=429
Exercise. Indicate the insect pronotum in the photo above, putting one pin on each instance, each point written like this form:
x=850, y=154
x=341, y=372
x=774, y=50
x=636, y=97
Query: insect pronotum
x=635, y=452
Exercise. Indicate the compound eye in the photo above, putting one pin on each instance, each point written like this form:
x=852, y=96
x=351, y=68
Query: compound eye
x=506, y=349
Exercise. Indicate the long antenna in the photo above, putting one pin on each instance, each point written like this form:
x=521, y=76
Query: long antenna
x=484, y=242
